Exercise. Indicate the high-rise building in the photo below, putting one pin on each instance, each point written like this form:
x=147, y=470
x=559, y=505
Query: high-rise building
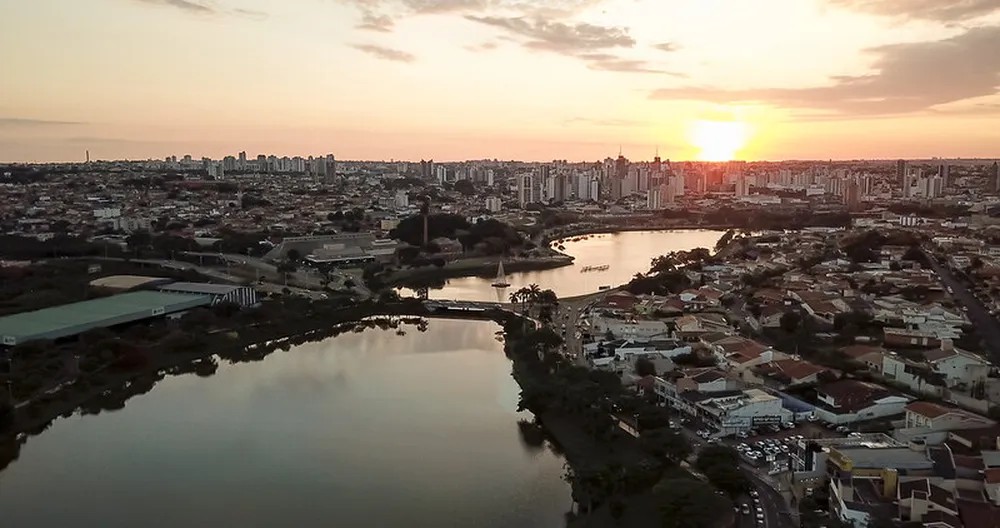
x=742, y=186
x=901, y=173
x=242, y=163
x=525, y=190
x=653, y=199
x=944, y=171
x=558, y=187
x=441, y=173
x=935, y=187
x=494, y=204
x=402, y=199
x=427, y=170
x=595, y=188
x=851, y=194
x=996, y=177
x=908, y=181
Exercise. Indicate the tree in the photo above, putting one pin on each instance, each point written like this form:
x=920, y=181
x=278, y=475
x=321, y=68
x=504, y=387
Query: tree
x=688, y=503
x=721, y=465
x=644, y=367
x=790, y=321
x=666, y=443
x=139, y=240
x=465, y=187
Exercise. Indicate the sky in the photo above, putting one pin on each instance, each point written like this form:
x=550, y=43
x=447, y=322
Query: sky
x=510, y=79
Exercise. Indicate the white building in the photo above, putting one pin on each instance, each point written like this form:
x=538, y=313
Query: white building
x=494, y=204
x=525, y=190
x=402, y=200
x=731, y=414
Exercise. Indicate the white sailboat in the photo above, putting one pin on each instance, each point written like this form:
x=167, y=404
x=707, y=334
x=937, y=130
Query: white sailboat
x=501, y=280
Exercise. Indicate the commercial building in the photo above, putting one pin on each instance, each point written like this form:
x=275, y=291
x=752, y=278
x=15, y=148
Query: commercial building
x=218, y=293
x=742, y=411
x=73, y=319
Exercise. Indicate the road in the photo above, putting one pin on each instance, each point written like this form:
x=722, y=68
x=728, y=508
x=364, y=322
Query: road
x=984, y=323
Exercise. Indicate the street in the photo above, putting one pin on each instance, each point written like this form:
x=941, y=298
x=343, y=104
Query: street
x=984, y=323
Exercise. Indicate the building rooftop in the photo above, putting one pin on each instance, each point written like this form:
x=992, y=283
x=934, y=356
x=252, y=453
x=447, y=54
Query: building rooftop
x=75, y=318
x=197, y=287
x=886, y=457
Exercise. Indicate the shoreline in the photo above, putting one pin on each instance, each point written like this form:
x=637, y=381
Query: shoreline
x=577, y=448
x=479, y=267
x=611, y=230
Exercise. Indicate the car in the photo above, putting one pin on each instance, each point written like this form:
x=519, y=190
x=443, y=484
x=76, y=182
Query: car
x=788, y=425
x=760, y=515
x=745, y=509
x=753, y=493
x=741, y=434
x=842, y=429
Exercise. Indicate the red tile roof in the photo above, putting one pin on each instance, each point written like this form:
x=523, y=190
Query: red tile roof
x=927, y=409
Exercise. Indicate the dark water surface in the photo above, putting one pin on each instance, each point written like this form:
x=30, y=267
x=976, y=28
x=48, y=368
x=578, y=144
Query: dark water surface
x=361, y=430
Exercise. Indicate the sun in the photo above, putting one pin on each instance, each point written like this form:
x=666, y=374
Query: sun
x=719, y=140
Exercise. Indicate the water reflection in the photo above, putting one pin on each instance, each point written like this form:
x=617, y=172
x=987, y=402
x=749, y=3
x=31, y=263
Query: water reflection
x=625, y=254
x=369, y=429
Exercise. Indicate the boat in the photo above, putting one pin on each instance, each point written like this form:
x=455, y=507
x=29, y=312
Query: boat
x=603, y=267
x=602, y=288
x=501, y=280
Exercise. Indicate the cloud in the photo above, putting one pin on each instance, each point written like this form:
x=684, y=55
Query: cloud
x=385, y=53
x=373, y=22
x=250, y=13
x=485, y=46
x=667, y=46
x=609, y=62
x=191, y=6
x=940, y=10
x=26, y=122
x=908, y=78
x=560, y=37
x=623, y=123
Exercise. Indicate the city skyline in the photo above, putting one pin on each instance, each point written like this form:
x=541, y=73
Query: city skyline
x=465, y=80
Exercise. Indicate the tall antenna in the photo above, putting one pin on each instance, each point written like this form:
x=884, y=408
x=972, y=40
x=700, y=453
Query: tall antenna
x=619, y=150
x=88, y=156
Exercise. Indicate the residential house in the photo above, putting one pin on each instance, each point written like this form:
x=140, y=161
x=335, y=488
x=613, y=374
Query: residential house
x=633, y=327
x=702, y=298
x=960, y=368
x=917, y=375
x=930, y=423
x=740, y=353
x=785, y=373
x=692, y=327
x=705, y=380
x=848, y=401
x=870, y=356
x=920, y=499
x=905, y=337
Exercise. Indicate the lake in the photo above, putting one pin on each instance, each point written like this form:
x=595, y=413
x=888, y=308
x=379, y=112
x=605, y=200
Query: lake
x=625, y=254
x=362, y=430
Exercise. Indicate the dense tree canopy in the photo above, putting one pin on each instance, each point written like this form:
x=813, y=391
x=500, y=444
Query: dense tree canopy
x=689, y=503
x=490, y=237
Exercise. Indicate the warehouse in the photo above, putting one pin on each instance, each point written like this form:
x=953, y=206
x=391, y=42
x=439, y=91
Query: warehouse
x=220, y=293
x=76, y=318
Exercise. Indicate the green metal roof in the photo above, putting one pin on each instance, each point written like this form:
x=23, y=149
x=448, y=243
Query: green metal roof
x=75, y=318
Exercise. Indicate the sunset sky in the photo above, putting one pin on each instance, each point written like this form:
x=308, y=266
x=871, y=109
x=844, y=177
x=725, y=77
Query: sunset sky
x=509, y=79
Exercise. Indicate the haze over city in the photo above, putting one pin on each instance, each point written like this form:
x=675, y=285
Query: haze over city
x=473, y=79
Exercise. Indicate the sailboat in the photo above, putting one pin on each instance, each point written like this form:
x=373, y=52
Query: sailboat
x=501, y=280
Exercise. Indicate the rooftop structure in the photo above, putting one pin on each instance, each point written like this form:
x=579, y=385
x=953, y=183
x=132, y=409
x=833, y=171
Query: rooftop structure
x=76, y=318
